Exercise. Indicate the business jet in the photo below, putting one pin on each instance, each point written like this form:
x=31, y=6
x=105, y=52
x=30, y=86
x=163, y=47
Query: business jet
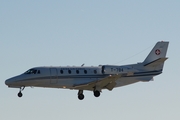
x=93, y=78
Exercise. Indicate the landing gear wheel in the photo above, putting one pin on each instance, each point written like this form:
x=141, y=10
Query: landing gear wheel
x=20, y=94
x=81, y=96
x=96, y=93
x=21, y=89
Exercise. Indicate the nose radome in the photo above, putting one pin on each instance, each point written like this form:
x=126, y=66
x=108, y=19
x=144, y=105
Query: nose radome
x=7, y=82
x=14, y=81
x=10, y=81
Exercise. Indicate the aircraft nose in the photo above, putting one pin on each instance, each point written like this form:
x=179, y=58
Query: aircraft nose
x=8, y=82
x=14, y=81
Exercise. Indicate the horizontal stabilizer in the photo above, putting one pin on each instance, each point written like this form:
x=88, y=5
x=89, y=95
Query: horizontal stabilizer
x=156, y=62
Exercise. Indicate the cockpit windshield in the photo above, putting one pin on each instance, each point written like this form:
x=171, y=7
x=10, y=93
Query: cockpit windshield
x=32, y=71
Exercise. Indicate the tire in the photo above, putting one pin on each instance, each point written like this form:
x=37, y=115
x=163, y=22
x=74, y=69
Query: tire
x=96, y=93
x=81, y=96
x=20, y=94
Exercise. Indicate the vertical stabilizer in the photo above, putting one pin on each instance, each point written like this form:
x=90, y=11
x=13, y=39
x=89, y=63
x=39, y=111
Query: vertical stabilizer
x=159, y=51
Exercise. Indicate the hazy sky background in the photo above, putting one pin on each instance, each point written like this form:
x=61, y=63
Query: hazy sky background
x=59, y=33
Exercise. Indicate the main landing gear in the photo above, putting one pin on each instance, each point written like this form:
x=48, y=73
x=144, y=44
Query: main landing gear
x=81, y=95
x=96, y=93
x=20, y=91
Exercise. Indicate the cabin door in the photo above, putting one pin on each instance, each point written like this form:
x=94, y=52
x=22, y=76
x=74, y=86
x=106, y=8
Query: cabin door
x=53, y=75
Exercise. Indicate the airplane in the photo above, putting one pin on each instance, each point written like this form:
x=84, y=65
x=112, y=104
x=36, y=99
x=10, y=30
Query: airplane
x=93, y=78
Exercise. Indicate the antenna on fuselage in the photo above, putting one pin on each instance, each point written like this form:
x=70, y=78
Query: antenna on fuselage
x=82, y=65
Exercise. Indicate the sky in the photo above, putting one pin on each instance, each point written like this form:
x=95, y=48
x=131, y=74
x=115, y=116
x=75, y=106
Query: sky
x=60, y=33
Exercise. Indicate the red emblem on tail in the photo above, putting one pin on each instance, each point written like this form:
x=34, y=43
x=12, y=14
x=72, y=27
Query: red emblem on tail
x=158, y=52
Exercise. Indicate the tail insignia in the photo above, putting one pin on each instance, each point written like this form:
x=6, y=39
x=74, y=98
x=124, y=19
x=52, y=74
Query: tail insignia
x=158, y=52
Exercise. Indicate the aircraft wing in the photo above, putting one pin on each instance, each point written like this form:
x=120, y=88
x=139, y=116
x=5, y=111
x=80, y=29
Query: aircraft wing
x=107, y=82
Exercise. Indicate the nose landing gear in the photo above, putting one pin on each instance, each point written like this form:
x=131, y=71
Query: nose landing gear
x=20, y=91
x=20, y=94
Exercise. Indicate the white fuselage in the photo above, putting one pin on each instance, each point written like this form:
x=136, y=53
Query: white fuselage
x=67, y=77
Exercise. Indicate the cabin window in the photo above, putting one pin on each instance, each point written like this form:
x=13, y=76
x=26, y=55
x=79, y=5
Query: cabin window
x=77, y=71
x=38, y=72
x=69, y=71
x=95, y=71
x=85, y=71
x=61, y=71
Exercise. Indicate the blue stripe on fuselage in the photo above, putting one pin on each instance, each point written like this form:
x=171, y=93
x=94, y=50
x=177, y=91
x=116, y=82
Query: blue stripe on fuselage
x=136, y=74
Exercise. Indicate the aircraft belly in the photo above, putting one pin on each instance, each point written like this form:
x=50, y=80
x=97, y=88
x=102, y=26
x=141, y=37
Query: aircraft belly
x=70, y=82
x=38, y=83
x=56, y=83
x=130, y=80
x=125, y=81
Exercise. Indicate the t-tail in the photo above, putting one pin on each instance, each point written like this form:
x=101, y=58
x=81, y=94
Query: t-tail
x=157, y=56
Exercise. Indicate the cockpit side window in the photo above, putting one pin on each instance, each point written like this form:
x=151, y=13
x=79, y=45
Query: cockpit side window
x=32, y=71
